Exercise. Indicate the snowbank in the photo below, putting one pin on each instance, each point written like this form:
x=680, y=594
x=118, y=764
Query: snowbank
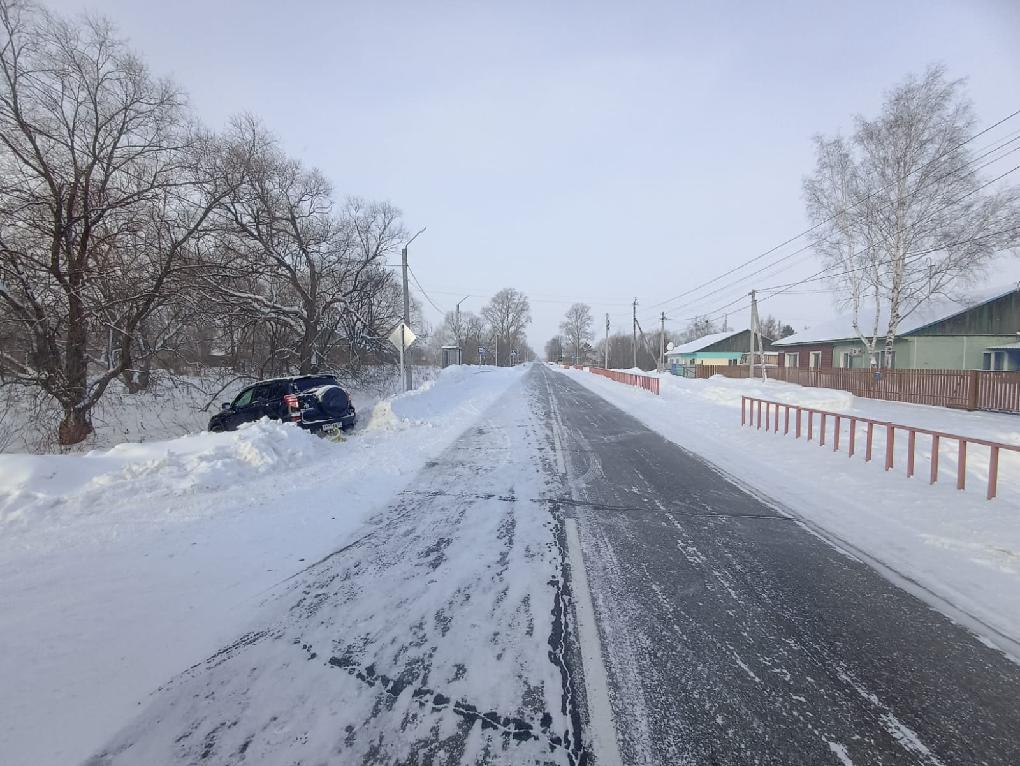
x=172, y=406
x=954, y=549
x=121, y=567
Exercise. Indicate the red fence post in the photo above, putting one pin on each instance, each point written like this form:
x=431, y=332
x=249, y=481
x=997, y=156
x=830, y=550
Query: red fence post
x=747, y=416
x=993, y=472
x=890, y=435
x=911, y=441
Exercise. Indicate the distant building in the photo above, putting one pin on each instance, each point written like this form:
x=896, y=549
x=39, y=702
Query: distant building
x=722, y=348
x=982, y=333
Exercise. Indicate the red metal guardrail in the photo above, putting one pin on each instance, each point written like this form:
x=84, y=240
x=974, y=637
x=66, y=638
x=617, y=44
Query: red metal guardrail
x=647, y=382
x=749, y=416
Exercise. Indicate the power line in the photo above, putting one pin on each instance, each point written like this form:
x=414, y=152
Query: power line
x=429, y=299
x=909, y=257
x=832, y=217
x=916, y=191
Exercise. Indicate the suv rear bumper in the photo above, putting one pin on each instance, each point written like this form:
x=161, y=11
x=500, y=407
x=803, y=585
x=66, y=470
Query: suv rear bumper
x=345, y=422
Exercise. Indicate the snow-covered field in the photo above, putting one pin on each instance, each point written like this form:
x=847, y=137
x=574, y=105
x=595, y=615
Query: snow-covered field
x=954, y=549
x=119, y=568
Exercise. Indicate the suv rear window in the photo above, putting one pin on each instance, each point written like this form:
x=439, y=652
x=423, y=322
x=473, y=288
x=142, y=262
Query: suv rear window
x=320, y=380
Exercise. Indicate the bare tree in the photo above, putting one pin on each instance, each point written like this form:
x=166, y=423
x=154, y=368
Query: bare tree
x=774, y=329
x=902, y=213
x=554, y=349
x=288, y=257
x=699, y=327
x=577, y=328
x=474, y=335
x=507, y=316
x=104, y=187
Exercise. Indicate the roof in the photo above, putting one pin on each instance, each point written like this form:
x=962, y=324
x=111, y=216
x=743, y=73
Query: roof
x=1005, y=347
x=937, y=310
x=704, y=342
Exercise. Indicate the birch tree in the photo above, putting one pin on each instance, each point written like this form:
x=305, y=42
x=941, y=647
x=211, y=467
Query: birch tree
x=903, y=211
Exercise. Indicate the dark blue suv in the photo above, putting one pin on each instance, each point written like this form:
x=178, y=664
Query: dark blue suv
x=316, y=403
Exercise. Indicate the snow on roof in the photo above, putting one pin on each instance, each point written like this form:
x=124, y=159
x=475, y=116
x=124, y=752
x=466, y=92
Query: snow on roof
x=841, y=327
x=1005, y=347
x=703, y=342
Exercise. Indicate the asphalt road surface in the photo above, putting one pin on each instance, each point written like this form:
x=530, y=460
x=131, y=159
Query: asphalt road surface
x=733, y=635
x=706, y=628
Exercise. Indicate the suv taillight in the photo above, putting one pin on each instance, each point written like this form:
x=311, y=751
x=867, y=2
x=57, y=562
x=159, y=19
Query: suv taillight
x=290, y=401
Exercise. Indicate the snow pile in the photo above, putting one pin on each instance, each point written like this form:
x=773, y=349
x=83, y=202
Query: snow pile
x=120, y=567
x=953, y=549
x=728, y=391
x=32, y=486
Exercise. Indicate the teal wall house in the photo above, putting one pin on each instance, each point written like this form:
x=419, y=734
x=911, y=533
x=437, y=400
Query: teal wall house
x=721, y=348
x=982, y=333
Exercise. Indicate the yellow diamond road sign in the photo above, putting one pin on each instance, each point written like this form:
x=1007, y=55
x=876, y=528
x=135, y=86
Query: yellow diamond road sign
x=409, y=337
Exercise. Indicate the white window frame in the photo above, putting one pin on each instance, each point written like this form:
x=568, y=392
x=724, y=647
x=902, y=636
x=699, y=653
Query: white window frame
x=815, y=359
x=793, y=360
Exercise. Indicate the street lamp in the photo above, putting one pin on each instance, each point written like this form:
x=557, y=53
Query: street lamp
x=405, y=369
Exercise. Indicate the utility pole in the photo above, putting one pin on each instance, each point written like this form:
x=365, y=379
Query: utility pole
x=405, y=369
x=662, y=342
x=460, y=330
x=634, y=331
x=607, y=342
x=757, y=345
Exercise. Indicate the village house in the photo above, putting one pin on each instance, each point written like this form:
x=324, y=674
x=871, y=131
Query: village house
x=982, y=333
x=730, y=347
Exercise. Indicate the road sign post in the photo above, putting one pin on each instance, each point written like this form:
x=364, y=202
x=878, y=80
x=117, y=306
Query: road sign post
x=402, y=338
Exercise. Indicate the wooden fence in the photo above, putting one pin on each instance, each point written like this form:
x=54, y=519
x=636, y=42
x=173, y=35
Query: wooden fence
x=755, y=412
x=647, y=382
x=960, y=389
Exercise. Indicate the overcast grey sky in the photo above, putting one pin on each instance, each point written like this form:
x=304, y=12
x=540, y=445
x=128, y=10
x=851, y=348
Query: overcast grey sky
x=577, y=151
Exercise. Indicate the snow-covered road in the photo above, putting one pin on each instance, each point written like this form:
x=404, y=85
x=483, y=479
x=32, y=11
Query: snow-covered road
x=437, y=636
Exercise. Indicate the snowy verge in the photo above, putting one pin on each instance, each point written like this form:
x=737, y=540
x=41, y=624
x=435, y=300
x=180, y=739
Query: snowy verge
x=956, y=550
x=121, y=567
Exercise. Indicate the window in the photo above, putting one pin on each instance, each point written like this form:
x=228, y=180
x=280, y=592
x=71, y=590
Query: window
x=261, y=393
x=846, y=360
x=243, y=398
x=815, y=360
x=793, y=360
x=994, y=360
x=731, y=362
